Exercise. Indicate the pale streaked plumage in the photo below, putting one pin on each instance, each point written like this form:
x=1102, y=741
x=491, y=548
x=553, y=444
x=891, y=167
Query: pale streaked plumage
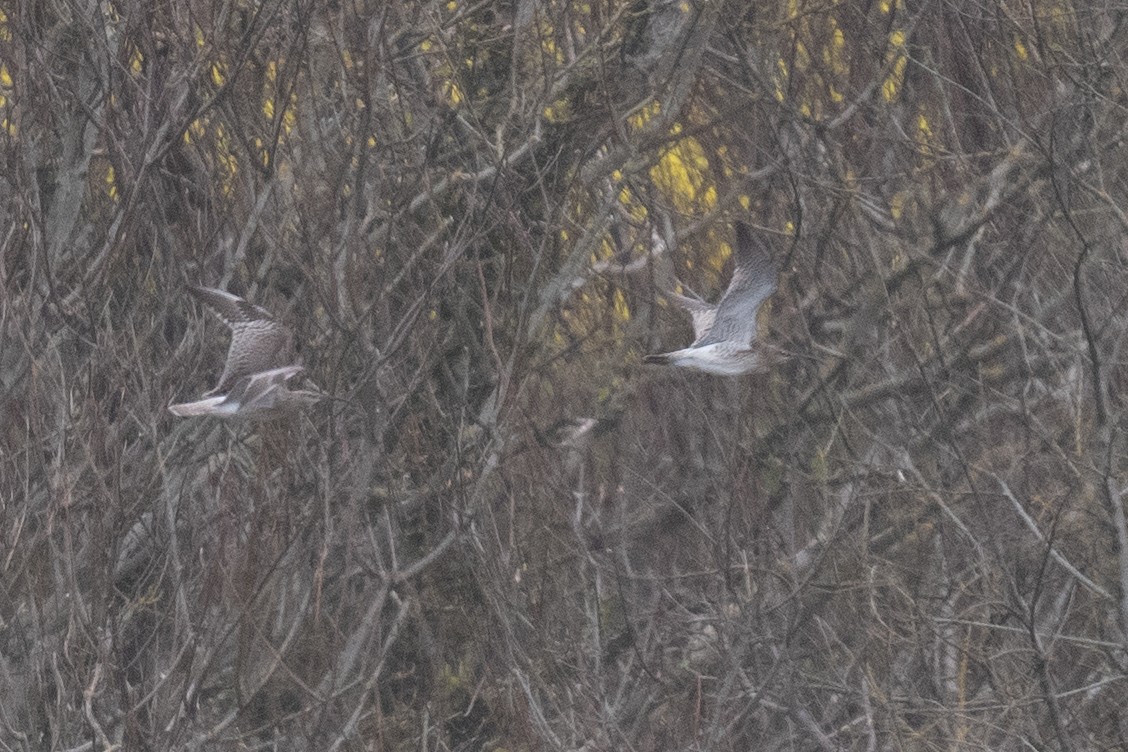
x=261, y=394
x=259, y=365
x=724, y=333
x=258, y=341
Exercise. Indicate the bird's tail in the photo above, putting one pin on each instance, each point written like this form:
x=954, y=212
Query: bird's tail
x=659, y=359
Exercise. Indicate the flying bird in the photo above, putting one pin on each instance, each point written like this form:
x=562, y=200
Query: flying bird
x=258, y=395
x=725, y=333
x=260, y=364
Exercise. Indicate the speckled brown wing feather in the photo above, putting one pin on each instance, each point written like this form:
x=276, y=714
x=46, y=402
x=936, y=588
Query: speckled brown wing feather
x=258, y=342
x=754, y=279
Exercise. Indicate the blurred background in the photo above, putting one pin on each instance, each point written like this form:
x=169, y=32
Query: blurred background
x=507, y=533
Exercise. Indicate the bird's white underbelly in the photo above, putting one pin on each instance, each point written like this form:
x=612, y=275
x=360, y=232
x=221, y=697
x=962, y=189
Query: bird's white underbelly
x=719, y=359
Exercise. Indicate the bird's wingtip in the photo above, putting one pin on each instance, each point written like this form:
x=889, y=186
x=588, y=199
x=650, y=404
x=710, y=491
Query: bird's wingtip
x=202, y=290
x=743, y=234
x=212, y=297
x=753, y=252
x=657, y=358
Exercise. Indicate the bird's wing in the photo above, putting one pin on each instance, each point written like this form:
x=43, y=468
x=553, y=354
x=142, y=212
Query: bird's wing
x=259, y=387
x=703, y=313
x=754, y=279
x=231, y=309
x=258, y=342
x=263, y=380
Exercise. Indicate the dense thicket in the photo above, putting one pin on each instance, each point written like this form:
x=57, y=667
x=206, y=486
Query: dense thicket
x=909, y=533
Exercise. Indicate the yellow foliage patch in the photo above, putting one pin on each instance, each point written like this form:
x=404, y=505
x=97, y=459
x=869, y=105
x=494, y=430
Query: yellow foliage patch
x=814, y=36
x=1020, y=49
x=780, y=79
x=195, y=130
x=641, y=116
x=681, y=174
x=635, y=209
x=289, y=118
x=802, y=57
x=925, y=138
x=559, y=111
x=548, y=45
x=923, y=128
x=714, y=260
x=891, y=87
x=897, y=204
x=833, y=54
x=452, y=92
x=621, y=308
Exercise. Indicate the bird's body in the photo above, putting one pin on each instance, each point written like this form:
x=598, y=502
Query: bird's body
x=259, y=365
x=725, y=333
x=261, y=395
x=718, y=359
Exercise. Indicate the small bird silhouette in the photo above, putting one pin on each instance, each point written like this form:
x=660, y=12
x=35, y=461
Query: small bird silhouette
x=725, y=333
x=260, y=363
